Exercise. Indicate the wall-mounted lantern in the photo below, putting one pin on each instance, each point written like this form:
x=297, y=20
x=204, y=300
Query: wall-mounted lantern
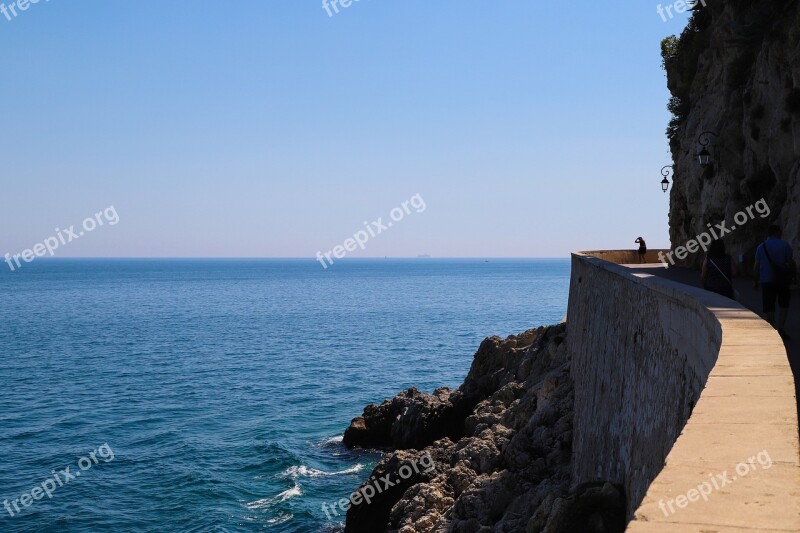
x=666, y=172
x=704, y=156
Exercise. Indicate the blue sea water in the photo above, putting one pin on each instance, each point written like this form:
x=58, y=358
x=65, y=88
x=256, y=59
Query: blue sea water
x=222, y=387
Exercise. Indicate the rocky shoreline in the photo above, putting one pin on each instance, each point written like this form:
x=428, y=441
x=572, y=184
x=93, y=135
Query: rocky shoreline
x=498, y=447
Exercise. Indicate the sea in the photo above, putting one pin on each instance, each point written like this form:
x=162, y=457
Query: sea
x=211, y=395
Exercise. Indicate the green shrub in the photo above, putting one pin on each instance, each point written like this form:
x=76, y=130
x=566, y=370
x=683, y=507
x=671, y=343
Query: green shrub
x=679, y=110
x=679, y=57
x=669, y=51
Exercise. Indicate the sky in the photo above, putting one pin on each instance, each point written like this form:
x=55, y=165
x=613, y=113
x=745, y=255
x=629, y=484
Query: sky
x=267, y=128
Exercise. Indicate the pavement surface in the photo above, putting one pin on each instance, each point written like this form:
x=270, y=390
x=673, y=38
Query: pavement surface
x=751, y=298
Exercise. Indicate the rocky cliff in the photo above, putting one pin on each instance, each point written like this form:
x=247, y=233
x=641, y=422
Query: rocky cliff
x=498, y=450
x=735, y=72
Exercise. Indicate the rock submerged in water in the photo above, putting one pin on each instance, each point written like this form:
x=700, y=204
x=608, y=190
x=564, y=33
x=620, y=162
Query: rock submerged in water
x=499, y=449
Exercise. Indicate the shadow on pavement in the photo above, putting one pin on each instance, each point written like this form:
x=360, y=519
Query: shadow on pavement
x=751, y=298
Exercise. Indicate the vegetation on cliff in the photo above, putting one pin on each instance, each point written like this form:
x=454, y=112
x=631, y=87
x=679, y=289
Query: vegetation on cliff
x=734, y=72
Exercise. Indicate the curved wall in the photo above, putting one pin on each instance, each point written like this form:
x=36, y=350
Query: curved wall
x=625, y=257
x=674, y=385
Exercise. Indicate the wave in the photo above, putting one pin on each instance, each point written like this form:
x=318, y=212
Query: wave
x=280, y=519
x=267, y=503
x=333, y=440
x=295, y=472
x=291, y=493
x=333, y=528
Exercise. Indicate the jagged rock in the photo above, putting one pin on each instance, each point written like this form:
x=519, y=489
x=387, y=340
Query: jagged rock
x=592, y=508
x=501, y=444
x=460, y=477
x=421, y=508
x=481, y=454
x=487, y=499
x=384, y=489
x=412, y=419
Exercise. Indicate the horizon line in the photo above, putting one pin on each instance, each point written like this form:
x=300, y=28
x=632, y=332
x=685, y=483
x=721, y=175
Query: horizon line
x=306, y=258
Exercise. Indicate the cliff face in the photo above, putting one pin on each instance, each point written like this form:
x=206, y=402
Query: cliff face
x=735, y=71
x=497, y=451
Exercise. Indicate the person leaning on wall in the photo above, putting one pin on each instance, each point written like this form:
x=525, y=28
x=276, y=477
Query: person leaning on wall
x=642, y=251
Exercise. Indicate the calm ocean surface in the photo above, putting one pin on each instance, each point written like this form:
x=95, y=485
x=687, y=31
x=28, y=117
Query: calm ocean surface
x=222, y=387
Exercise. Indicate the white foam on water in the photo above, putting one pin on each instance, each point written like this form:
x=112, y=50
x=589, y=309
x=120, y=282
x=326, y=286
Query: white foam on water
x=267, y=503
x=291, y=493
x=280, y=519
x=353, y=470
x=295, y=472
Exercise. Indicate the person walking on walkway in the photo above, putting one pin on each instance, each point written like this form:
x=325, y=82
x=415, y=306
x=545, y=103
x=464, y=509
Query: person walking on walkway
x=775, y=269
x=718, y=271
x=642, y=249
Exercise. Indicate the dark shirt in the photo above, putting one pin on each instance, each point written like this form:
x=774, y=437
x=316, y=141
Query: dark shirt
x=779, y=251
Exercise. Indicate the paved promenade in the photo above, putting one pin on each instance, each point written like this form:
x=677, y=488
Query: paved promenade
x=751, y=299
x=740, y=389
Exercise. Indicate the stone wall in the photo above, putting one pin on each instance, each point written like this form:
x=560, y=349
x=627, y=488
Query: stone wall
x=626, y=257
x=640, y=358
x=645, y=352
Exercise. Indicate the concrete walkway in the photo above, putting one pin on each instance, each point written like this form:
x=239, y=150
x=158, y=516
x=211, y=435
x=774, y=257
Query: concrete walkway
x=734, y=372
x=751, y=299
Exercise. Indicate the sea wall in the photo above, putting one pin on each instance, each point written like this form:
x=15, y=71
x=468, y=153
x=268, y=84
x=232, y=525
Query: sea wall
x=626, y=257
x=673, y=385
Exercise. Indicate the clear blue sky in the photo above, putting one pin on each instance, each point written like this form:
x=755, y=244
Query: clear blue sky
x=266, y=128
